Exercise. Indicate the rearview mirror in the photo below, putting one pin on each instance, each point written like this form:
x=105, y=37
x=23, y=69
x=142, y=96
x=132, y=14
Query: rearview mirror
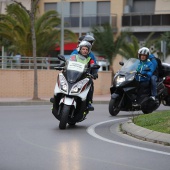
x=59, y=68
x=95, y=66
x=121, y=63
x=61, y=57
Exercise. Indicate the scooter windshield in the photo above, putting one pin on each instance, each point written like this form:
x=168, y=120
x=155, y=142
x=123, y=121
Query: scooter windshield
x=74, y=71
x=130, y=65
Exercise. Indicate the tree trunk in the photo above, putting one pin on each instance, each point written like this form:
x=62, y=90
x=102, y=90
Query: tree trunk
x=32, y=16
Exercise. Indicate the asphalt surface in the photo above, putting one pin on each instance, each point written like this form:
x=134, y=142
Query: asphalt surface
x=128, y=127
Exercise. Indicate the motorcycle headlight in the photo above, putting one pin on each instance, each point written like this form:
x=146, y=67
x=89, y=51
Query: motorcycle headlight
x=79, y=86
x=62, y=83
x=119, y=80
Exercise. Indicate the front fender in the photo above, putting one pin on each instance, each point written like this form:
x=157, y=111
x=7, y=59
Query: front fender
x=112, y=89
x=68, y=101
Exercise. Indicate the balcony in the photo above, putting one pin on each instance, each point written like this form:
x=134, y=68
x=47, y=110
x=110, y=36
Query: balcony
x=72, y=22
x=146, y=22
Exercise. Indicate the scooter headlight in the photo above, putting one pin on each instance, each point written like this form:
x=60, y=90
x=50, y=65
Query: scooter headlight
x=79, y=86
x=62, y=83
x=119, y=79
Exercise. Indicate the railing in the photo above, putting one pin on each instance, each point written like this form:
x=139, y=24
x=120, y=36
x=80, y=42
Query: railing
x=89, y=21
x=146, y=20
x=8, y=62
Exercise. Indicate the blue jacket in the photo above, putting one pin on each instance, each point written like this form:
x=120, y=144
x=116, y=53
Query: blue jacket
x=90, y=54
x=153, y=60
x=141, y=69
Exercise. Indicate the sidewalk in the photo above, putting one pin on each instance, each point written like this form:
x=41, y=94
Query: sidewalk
x=97, y=99
x=128, y=127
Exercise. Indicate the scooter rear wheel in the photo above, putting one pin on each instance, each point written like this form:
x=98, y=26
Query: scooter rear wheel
x=113, y=110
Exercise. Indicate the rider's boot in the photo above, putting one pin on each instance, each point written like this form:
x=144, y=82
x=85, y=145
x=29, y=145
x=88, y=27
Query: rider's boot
x=90, y=107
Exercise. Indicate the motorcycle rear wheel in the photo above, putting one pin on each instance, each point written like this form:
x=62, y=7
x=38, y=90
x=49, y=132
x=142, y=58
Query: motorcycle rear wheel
x=113, y=110
x=64, y=116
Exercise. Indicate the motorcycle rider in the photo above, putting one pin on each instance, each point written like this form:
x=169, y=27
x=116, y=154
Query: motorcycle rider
x=145, y=71
x=84, y=49
x=154, y=77
x=91, y=40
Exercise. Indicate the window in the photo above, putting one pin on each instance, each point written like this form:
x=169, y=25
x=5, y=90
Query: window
x=103, y=12
x=143, y=6
x=75, y=13
x=103, y=8
x=75, y=9
x=146, y=20
x=126, y=21
x=50, y=6
x=156, y=19
x=166, y=19
x=136, y=20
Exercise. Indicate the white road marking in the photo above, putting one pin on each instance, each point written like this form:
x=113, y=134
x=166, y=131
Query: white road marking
x=91, y=131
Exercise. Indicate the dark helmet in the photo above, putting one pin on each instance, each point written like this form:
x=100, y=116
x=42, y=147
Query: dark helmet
x=84, y=44
x=81, y=39
x=88, y=38
x=143, y=51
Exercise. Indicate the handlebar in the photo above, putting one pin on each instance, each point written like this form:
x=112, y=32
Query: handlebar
x=90, y=75
x=145, y=76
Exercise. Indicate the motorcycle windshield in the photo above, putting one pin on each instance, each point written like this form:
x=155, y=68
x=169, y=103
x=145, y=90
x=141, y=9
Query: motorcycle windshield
x=74, y=71
x=130, y=65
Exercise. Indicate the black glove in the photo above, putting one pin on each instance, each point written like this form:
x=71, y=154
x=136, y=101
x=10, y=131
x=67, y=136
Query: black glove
x=95, y=76
x=144, y=75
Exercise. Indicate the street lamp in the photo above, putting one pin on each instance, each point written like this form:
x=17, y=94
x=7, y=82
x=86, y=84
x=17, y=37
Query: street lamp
x=62, y=29
x=80, y=19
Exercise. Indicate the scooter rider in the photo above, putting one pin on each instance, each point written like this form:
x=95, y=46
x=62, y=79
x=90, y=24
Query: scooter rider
x=145, y=71
x=84, y=49
x=91, y=40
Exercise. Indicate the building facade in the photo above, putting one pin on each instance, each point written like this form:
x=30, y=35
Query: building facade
x=142, y=17
x=80, y=16
x=139, y=16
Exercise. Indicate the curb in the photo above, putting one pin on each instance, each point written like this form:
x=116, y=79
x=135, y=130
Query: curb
x=144, y=134
x=38, y=102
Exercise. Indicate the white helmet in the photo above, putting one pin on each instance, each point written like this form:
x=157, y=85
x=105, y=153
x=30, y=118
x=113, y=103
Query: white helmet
x=144, y=51
x=84, y=44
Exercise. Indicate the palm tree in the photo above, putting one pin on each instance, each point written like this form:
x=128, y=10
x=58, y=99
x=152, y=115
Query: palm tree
x=16, y=27
x=131, y=46
x=105, y=43
x=31, y=36
x=130, y=49
x=164, y=37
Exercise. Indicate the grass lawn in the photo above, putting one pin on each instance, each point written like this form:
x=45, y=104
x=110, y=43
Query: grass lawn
x=157, y=121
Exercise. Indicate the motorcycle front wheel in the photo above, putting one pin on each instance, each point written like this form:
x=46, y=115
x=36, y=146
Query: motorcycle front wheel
x=113, y=110
x=64, y=116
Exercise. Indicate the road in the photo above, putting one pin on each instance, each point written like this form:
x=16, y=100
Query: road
x=31, y=140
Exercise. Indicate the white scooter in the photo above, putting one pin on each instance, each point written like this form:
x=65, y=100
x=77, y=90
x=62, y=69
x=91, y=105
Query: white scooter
x=71, y=91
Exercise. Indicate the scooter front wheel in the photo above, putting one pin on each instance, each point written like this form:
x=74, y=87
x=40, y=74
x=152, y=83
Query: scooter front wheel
x=113, y=109
x=64, y=116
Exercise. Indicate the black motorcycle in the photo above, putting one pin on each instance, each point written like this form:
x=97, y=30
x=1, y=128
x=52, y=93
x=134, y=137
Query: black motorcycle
x=71, y=91
x=124, y=91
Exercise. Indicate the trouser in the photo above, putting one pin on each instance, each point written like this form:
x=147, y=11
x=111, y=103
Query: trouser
x=143, y=89
x=90, y=93
x=154, y=85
